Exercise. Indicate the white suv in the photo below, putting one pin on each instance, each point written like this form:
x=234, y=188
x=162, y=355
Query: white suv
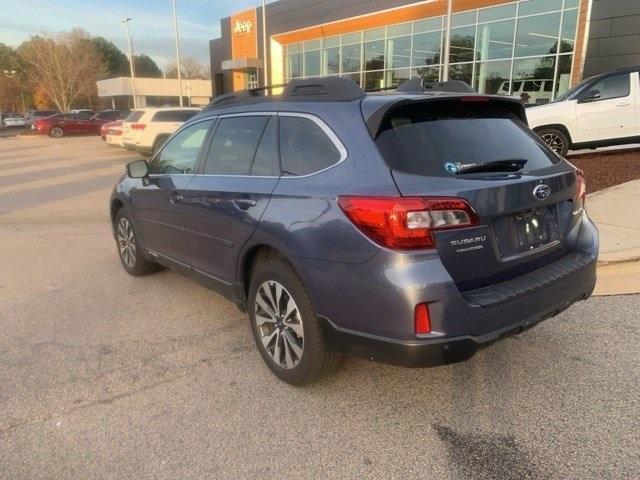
x=598, y=112
x=146, y=129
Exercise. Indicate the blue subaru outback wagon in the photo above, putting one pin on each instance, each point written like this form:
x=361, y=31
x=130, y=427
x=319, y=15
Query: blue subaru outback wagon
x=413, y=225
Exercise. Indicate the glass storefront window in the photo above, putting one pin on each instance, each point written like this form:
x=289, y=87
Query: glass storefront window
x=350, y=57
x=533, y=80
x=429, y=74
x=490, y=49
x=537, y=35
x=427, y=48
x=374, y=55
x=396, y=77
x=427, y=25
x=331, y=61
x=462, y=72
x=294, y=65
x=563, y=78
x=373, y=80
x=493, y=77
x=399, y=30
x=496, y=13
x=462, y=44
x=529, y=7
x=568, y=35
x=312, y=63
x=399, y=52
x=465, y=18
x=495, y=40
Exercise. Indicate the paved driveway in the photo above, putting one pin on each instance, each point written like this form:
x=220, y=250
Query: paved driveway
x=107, y=376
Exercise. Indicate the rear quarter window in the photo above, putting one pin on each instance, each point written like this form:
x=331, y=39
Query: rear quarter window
x=134, y=116
x=427, y=139
x=173, y=115
x=305, y=147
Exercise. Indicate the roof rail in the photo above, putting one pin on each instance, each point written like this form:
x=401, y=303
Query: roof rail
x=321, y=88
x=418, y=85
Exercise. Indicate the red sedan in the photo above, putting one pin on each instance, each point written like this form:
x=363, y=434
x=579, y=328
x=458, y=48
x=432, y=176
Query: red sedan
x=66, y=124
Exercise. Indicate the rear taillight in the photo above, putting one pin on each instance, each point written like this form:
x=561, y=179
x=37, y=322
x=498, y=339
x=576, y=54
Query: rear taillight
x=407, y=223
x=581, y=190
x=138, y=126
x=422, y=322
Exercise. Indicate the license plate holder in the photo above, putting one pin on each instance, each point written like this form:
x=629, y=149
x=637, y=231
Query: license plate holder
x=534, y=229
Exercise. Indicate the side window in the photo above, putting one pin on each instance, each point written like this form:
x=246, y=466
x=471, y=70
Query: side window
x=234, y=145
x=180, y=154
x=305, y=147
x=612, y=87
x=265, y=162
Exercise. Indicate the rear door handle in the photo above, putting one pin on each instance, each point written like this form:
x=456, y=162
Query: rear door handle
x=244, y=203
x=176, y=198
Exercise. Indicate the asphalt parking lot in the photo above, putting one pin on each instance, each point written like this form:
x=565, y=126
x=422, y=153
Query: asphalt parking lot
x=107, y=376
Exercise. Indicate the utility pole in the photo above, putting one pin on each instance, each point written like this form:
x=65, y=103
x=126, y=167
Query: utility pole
x=265, y=63
x=175, y=26
x=447, y=42
x=126, y=21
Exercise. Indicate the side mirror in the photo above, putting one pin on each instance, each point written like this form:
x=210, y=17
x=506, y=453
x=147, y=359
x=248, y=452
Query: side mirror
x=590, y=96
x=137, y=169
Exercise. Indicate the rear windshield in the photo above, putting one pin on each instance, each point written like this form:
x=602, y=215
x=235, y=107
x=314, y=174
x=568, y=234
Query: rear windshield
x=134, y=116
x=173, y=115
x=441, y=139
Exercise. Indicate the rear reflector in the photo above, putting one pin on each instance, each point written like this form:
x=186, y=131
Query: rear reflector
x=421, y=319
x=407, y=223
x=581, y=191
x=138, y=126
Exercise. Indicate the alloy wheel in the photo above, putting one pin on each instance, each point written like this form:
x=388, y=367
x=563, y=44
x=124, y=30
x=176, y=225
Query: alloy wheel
x=56, y=132
x=279, y=324
x=126, y=242
x=554, y=141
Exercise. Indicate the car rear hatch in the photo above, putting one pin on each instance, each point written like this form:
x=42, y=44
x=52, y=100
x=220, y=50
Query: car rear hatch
x=479, y=149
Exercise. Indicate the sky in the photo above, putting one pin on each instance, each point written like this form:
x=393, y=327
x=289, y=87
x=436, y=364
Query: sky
x=151, y=27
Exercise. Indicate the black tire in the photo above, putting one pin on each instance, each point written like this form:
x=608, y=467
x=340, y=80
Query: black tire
x=317, y=358
x=56, y=132
x=158, y=144
x=557, y=140
x=134, y=262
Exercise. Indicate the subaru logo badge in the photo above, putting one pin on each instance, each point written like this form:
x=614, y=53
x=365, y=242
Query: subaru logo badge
x=541, y=191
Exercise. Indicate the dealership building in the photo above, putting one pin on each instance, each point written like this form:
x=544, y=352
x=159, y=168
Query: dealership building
x=537, y=48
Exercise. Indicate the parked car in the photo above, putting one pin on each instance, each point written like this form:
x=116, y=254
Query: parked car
x=14, y=120
x=600, y=111
x=106, y=116
x=83, y=111
x=146, y=129
x=342, y=221
x=113, y=133
x=66, y=124
x=34, y=115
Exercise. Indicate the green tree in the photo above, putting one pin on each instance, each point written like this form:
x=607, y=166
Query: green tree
x=144, y=66
x=115, y=62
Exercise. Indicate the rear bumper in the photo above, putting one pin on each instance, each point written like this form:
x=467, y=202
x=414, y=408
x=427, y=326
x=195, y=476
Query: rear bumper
x=370, y=307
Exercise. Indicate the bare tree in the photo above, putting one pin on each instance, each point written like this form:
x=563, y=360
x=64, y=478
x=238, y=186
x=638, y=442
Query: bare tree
x=65, y=66
x=192, y=68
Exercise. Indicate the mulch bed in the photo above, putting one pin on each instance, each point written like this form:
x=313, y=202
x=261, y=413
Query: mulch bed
x=608, y=168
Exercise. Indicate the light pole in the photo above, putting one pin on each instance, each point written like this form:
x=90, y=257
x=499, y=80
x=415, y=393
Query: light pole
x=126, y=21
x=447, y=42
x=175, y=26
x=264, y=43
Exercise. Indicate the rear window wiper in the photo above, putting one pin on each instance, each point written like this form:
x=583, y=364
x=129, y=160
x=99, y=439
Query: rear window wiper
x=507, y=165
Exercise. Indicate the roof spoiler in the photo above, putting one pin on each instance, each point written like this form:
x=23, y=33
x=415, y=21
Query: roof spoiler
x=374, y=119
